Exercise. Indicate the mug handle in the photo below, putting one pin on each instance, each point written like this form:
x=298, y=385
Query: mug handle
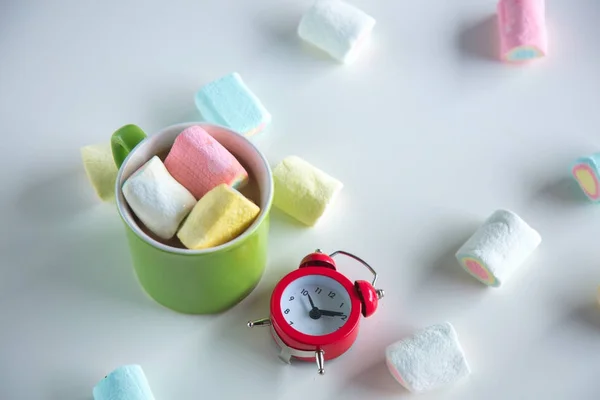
x=124, y=140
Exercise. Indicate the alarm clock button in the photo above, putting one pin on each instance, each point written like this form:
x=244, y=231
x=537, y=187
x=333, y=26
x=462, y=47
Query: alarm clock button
x=318, y=259
x=369, y=297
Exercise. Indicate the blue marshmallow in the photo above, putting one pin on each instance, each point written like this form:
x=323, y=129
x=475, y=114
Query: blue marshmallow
x=227, y=101
x=127, y=382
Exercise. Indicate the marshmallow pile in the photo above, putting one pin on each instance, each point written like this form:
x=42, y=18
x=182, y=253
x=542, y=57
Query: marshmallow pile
x=199, y=178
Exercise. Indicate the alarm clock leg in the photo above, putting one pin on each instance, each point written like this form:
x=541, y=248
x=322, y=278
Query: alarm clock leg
x=259, y=322
x=285, y=355
x=320, y=357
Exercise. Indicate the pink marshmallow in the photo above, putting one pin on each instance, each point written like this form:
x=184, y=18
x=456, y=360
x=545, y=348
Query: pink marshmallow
x=522, y=25
x=200, y=163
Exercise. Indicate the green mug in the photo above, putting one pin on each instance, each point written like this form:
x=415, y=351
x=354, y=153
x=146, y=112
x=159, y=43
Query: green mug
x=194, y=281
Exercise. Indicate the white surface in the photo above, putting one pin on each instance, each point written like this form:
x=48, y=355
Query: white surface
x=428, y=134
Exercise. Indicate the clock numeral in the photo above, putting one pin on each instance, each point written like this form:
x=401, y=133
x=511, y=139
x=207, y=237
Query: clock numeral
x=291, y=322
x=304, y=292
x=287, y=311
x=291, y=298
x=341, y=305
x=318, y=290
x=331, y=294
x=344, y=317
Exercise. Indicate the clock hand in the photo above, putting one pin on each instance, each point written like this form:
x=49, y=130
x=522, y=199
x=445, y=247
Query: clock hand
x=314, y=312
x=331, y=313
x=311, y=302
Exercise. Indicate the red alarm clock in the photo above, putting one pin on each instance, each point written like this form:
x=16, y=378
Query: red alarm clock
x=315, y=310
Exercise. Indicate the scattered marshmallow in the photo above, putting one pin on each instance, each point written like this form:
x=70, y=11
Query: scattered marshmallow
x=430, y=359
x=127, y=382
x=157, y=199
x=100, y=169
x=586, y=172
x=498, y=248
x=227, y=101
x=336, y=27
x=522, y=25
x=303, y=191
x=200, y=163
x=218, y=217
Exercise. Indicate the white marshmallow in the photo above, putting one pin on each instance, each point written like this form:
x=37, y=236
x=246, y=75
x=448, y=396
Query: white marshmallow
x=157, y=199
x=430, y=359
x=337, y=28
x=498, y=248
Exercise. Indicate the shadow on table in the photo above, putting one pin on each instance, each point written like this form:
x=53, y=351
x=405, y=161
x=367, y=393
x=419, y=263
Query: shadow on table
x=80, y=241
x=250, y=347
x=279, y=27
x=56, y=197
x=479, y=40
x=174, y=105
x=564, y=191
x=586, y=315
x=376, y=378
x=441, y=263
x=572, y=335
x=444, y=286
x=372, y=374
x=71, y=389
x=97, y=260
x=287, y=233
x=62, y=396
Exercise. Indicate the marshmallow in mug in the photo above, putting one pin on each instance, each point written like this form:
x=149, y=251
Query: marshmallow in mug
x=336, y=27
x=200, y=163
x=157, y=199
x=498, y=248
x=220, y=216
x=522, y=25
x=430, y=359
x=229, y=102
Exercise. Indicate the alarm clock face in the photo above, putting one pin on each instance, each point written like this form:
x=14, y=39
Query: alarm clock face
x=315, y=305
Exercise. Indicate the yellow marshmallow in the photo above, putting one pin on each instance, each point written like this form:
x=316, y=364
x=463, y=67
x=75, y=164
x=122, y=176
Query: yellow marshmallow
x=303, y=191
x=100, y=169
x=587, y=181
x=219, y=216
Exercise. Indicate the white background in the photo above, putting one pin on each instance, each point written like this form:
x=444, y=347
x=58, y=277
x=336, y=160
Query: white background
x=428, y=133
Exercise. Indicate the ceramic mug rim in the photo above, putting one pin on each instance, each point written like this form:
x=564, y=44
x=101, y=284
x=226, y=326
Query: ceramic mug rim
x=266, y=191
